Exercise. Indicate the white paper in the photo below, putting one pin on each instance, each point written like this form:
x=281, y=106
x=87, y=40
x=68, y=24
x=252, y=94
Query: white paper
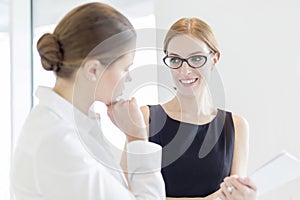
x=278, y=171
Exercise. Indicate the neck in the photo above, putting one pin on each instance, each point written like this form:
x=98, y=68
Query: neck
x=66, y=89
x=195, y=105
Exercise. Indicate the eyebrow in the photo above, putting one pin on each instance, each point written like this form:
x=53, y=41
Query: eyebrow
x=194, y=53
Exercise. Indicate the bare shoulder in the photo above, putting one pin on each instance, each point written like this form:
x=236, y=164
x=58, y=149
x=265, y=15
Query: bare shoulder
x=146, y=113
x=241, y=126
x=239, y=121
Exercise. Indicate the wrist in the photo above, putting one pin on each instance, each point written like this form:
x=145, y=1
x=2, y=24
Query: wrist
x=130, y=138
x=142, y=135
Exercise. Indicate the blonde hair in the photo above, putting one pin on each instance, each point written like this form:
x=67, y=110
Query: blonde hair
x=195, y=28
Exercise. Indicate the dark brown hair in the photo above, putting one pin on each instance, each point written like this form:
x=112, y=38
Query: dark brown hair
x=78, y=33
x=195, y=28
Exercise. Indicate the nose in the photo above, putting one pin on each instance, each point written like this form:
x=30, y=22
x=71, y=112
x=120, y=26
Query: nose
x=128, y=77
x=185, y=69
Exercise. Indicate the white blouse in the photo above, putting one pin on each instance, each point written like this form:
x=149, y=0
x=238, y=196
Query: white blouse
x=61, y=154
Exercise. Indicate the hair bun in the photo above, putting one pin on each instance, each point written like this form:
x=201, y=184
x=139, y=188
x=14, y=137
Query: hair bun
x=50, y=51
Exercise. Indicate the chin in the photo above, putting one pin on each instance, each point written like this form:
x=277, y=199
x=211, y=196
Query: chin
x=191, y=91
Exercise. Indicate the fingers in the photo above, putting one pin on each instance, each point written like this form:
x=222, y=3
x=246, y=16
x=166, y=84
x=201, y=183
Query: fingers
x=126, y=115
x=222, y=197
x=133, y=101
x=248, y=182
x=119, y=111
x=240, y=183
x=225, y=193
x=234, y=188
x=233, y=181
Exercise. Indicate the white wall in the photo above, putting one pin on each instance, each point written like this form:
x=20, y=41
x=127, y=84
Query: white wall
x=5, y=115
x=260, y=68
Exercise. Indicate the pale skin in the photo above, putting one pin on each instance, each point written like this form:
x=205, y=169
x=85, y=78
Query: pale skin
x=93, y=82
x=191, y=105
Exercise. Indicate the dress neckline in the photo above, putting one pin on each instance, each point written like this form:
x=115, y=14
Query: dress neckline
x=205, y=124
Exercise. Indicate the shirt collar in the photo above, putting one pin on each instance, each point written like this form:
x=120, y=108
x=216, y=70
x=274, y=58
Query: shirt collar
x=67, y=111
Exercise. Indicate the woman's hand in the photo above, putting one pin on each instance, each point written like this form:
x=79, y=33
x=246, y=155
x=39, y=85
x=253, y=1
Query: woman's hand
x=127, y=116
x=235, y=188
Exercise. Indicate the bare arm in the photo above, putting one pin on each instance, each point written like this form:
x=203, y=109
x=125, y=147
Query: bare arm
x=243, y=188
x=241, y=147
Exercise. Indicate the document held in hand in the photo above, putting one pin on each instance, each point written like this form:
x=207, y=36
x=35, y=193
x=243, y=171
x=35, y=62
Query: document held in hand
x=278, y=171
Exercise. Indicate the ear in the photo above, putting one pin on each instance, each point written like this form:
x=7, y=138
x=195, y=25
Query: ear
x=216, y=57
x=91, y=69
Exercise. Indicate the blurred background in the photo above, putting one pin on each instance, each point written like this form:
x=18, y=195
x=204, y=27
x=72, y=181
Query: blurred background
x=259, y=67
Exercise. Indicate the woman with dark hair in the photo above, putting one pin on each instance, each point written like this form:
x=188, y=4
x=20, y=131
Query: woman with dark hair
x=202, y=145
x=61, y=153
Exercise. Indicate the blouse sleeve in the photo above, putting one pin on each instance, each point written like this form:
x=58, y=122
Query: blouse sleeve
x=144, y=164
x=64, y=170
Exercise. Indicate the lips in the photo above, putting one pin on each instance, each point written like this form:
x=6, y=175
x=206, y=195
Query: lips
x=188, y=81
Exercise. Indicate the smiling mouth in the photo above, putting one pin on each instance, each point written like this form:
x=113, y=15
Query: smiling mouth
x=188, y=81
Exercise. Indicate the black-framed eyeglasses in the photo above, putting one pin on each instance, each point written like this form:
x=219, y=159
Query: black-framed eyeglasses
x=195, y=61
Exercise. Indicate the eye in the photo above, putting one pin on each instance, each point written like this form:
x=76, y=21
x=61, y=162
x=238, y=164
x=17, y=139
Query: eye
x=174, y=60
x=196, y=59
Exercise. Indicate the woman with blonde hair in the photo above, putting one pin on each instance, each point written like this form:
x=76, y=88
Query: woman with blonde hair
x=205, y=148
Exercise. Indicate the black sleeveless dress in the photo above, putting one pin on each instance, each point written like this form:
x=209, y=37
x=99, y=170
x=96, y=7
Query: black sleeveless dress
x=195, y=158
